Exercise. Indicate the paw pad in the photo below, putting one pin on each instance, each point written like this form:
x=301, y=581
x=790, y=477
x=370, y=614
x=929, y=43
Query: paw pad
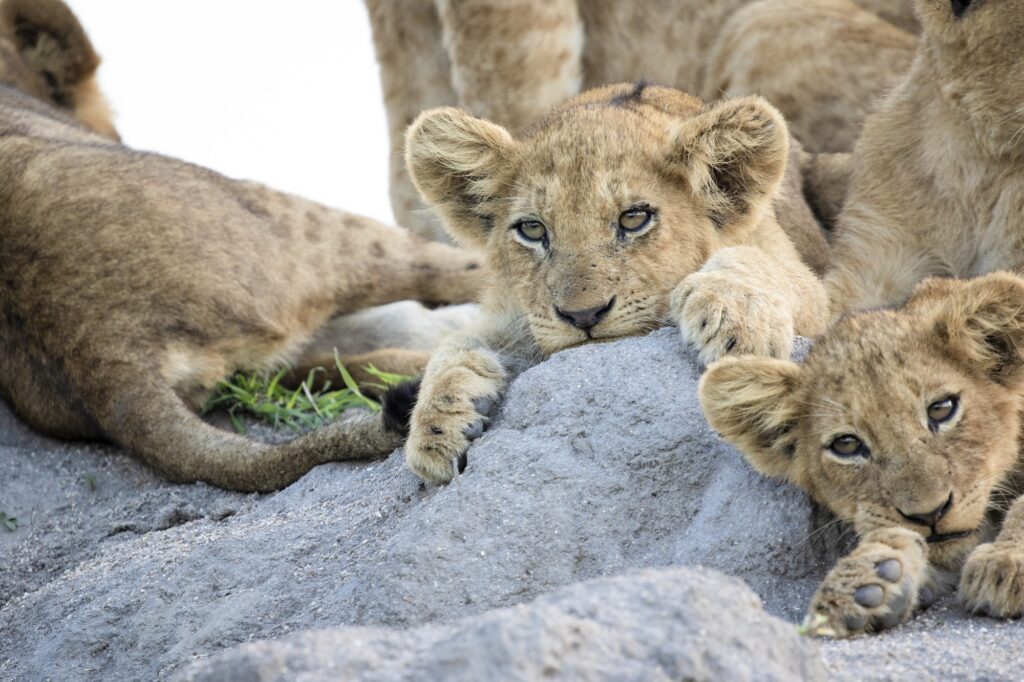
x=869, y=596
x=889, y=570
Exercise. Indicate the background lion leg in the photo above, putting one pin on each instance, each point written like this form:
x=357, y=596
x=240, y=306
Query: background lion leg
x=875, y=266
x=415, y=75
x=372, y=264
x=512, y=61
x=858, y=57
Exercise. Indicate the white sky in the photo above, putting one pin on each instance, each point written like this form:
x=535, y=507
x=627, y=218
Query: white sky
x=286, y=93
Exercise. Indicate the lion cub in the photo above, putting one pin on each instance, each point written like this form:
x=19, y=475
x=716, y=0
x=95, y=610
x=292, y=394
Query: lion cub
x=938, y=175
x=627, y=207
x=131, y=283
x=906, y=424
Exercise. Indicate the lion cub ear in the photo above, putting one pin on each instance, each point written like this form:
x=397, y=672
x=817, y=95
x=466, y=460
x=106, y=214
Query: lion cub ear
x=52, y=42
x=750, y=402
x=458, y=163
x=733, y=156
x=980, y=320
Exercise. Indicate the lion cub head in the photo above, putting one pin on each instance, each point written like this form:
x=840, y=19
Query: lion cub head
x=897, y=418
x=590, y=218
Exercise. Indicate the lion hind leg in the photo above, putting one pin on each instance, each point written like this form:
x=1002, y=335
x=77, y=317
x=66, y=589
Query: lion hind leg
x=147, y=417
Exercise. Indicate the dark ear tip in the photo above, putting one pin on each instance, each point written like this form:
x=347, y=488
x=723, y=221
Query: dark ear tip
x=397, y=405
x=960, y=6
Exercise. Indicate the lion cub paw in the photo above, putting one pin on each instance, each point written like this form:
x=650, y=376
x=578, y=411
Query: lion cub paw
x=874, y=588
x=452, y=411
x=720, y=316
x=992, y=580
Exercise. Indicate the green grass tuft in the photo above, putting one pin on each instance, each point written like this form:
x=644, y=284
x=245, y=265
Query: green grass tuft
x=261, y=396
x=8, y=522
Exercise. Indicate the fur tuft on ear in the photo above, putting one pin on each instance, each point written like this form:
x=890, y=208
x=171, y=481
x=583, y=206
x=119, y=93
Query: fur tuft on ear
x=733, y=155
x=749, y=402
x=457, y=163
x=54, y=47
x=980, y=320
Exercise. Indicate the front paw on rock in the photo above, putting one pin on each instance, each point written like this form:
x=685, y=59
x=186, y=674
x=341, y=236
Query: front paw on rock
x=437, y=448
x=992, y=580
x=720, y=318
x=847, y=604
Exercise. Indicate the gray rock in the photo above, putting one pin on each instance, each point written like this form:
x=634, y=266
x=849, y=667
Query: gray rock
x=658, y=624
x=597, y=463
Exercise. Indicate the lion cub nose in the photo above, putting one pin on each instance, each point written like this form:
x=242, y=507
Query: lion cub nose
x=932, y=517
x=587, y=318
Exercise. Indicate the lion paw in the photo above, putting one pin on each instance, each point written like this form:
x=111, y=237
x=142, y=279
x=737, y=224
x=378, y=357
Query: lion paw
x=720, y=316
x=874, y=588
x=992, y=580
x=452, y=411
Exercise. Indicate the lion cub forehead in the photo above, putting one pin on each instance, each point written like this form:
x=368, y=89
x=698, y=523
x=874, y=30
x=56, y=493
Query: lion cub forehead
x=876, y=350
x=614, y=115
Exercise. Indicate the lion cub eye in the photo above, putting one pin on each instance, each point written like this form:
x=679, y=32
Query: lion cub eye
x=532, y=230
x=635, y=219
x=848, y=446
x=942, y=410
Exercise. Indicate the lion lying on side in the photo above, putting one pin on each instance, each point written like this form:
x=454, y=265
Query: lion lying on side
x=623, y=199
x=131, y=283
x=907, y=425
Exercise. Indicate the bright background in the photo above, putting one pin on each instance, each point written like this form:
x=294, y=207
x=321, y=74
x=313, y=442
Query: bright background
x=286, y=93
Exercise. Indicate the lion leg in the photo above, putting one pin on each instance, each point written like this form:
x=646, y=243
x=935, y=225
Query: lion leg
x=874, y=588
x=378, y=264
x=415, y=76
x=513, y=60
x=749, y=301
x=857, y=58
x=992, y=580
x=875, y=265
x=459, y=391
x=140, y=412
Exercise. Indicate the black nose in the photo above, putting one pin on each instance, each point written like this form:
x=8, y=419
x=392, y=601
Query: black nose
x=932, y=517
x=585, y=319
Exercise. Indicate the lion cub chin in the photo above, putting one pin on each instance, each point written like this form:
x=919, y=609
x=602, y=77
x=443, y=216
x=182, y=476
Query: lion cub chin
x=906, y=425
x=626, y=208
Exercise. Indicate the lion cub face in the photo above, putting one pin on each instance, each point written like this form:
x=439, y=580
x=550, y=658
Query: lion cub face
x=905, y=418
x=591, y=218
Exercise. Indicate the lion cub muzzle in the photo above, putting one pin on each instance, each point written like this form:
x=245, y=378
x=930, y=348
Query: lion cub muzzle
x=587, y=318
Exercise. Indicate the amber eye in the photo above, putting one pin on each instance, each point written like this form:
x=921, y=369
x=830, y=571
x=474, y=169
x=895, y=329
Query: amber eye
x=635, y=219
x=848, y=446
x=532, y=230
x=942, y=410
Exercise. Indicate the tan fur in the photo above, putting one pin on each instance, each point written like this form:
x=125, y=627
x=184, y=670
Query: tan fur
x=821, y=62
x=47, y=54
x=714, y=258
x=131, y=283
x=510, y=61
x=937, y=185
x=873, y=375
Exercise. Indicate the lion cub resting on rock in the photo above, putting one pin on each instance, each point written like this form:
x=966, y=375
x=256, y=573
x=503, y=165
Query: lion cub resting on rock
x=131, y=283
x=620, y=201
x=906, y=424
